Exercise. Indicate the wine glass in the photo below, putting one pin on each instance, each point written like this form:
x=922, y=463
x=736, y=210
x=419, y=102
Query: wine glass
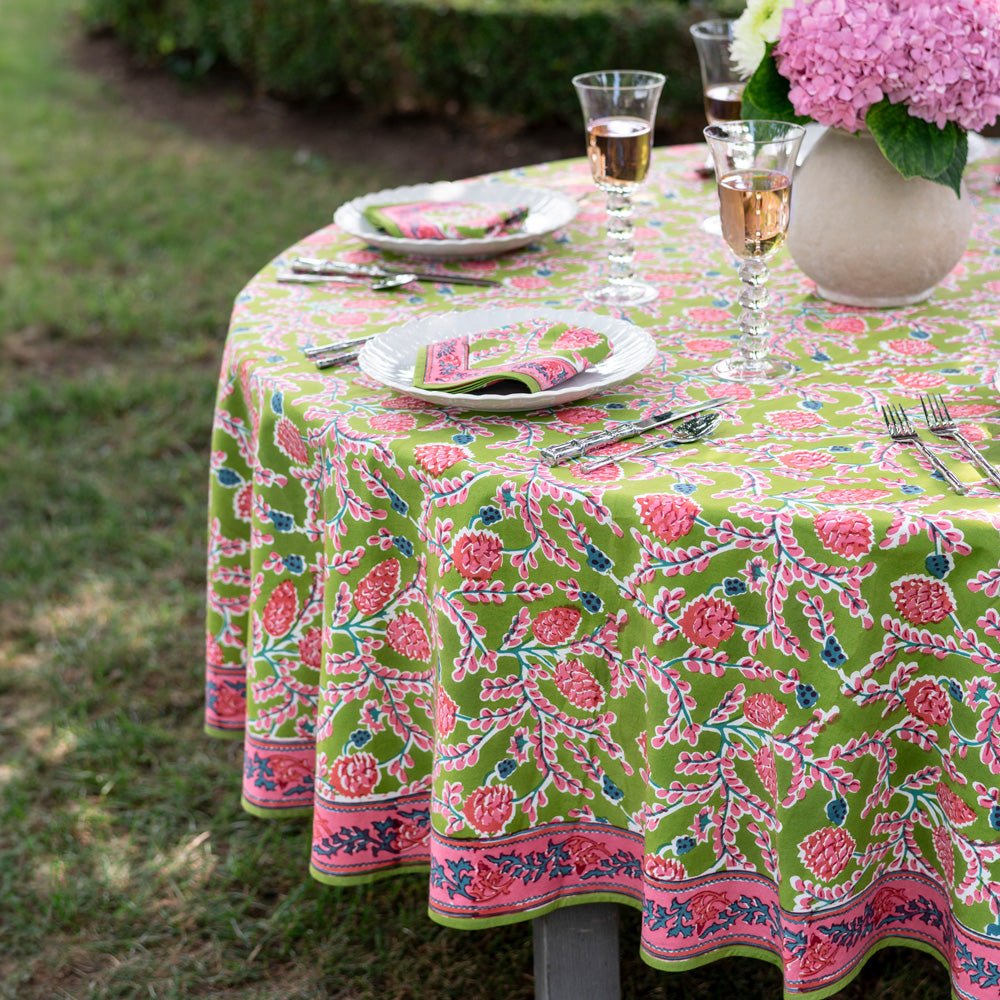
x=619, y=110
x=721, y=86
x=754, y=162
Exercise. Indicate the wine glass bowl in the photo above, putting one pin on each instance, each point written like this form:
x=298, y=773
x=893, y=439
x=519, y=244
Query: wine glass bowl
x=619, y=112
x=721, y=85
x=754, y=164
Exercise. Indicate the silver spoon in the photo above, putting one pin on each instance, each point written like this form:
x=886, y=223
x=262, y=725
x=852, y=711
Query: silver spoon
x=380, y=285
x=693, y=429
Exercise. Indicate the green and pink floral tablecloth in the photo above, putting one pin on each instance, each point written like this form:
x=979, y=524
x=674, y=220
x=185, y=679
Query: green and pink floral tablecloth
x=748, y=686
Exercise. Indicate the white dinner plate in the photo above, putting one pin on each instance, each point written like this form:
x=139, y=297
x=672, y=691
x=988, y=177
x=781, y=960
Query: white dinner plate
x=390, y=357
x=547, y=212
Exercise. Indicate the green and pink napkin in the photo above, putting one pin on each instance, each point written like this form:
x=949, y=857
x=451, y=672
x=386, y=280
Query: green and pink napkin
x=445, y=220
x=535, y=354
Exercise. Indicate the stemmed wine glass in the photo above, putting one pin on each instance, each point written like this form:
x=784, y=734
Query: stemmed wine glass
x=721, y=86
x=754, y=162
x=619, y=110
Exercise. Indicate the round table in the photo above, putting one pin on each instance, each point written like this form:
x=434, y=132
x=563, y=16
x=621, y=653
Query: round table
x=748, y=686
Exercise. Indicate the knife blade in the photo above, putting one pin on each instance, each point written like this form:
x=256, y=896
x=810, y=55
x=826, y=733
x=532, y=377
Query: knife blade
x=316, y=265
x=558, y=453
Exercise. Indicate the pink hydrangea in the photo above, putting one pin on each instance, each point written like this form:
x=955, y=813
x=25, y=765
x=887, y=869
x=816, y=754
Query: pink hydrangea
x=837, y=55
x=939, y=59
x=951, y=72
x=708, y=621
x=578, y=685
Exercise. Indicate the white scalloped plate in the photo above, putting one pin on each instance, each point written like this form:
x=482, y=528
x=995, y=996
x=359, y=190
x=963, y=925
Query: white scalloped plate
x=390, y=357
x=547, y=212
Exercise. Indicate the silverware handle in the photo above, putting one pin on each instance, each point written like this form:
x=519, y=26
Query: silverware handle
x=556, y=454
x=343, y=345
x=949, y=477
x=334, y=360
x=992, y=472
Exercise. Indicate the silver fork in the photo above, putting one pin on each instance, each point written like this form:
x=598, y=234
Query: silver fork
x=897, y=423
x=941, y=423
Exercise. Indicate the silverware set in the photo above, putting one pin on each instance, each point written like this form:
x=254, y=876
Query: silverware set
x=316, y=270
x=587, y=443
x=941, y=424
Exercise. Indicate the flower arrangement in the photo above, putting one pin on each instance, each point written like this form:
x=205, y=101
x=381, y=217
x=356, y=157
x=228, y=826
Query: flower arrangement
x=917, y=74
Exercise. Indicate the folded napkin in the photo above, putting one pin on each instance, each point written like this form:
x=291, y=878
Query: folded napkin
x=535, y=354
x=445, y=220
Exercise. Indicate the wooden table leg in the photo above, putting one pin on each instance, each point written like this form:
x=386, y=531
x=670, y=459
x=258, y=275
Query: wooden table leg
x=576, y=953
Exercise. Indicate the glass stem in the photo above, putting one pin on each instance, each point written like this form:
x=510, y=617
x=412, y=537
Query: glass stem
x=755, y=329
x=621, y=249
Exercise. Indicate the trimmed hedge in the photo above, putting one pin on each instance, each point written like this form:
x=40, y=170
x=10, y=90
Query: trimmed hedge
x=507, y=57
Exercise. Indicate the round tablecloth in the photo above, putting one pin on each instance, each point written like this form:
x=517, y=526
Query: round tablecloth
x=748, y=685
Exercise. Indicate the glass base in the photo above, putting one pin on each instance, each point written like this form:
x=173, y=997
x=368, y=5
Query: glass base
x=632, y=293
x=767, y=369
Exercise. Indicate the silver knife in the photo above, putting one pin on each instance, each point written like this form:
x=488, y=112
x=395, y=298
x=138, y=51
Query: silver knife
x=316, y=265
x=558, y=453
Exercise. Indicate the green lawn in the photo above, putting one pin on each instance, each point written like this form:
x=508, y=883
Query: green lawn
x=127, y=868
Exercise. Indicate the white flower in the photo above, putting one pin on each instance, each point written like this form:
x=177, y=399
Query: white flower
x=754, y=28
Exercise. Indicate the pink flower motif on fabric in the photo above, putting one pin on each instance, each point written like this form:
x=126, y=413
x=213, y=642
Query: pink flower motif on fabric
x=354, y=775
x=406, y=635
x=669, y=517
x=584, y=854
x=281, y=610
x=764, y=710
x=957, y=811
x=827, y=852
x=477, y=554
x=708, y=621
x=844, y=531
x=945, y=851
x=764, y=762
x=804, y=460
x=310, y=648
x=445, y=711
x=819, y=953
x=556, y=625
x=290, y=772
x=655, y=866
x=577, y=415
x=911, y=348
x=376, y=588
x=846, y=324
x=213, y=651
x=852, y=497
x=921, y=380
x=289, y=441
x=922, y=600
x=489, y=882
x=710, y=316
x=708, y=345
x=436, y=458
x=489, y=808
x=928, y=700
x=393, y=422
x=705, y=908
x=578, y=685
x=243, y=503
x=795, y=420
x=578, y=338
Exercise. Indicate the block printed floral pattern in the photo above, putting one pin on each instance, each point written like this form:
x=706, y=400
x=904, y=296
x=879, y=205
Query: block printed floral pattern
x=749, y=686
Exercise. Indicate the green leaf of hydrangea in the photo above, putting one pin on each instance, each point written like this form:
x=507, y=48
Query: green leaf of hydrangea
x=766, y=94
x=914, y=147
x=951, y=176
